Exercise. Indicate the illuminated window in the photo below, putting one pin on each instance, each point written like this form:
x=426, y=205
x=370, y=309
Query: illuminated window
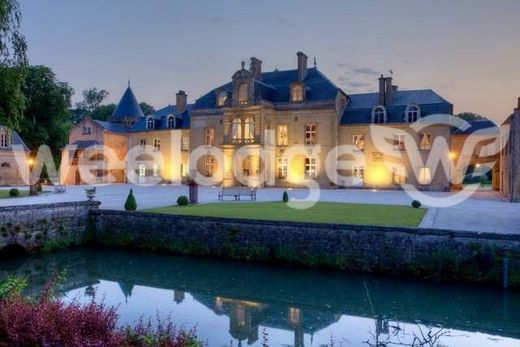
x=156, y=170
x=157, y=144
x=283, y=164
x=310, y=167
x=4, y=141
x=150, y=123
x=379, y=115
x=294, y=315
x=411, y=114
x=426, y=142
x=359, y=141
x=209, y=136
x=297, y=93
x=142, y=170
x=399, y=175
x=249, y=129
x=358, y=173
x=236, y=129
x=185, y=144
x=171, y=122
x=310, y=134
x=142, y=143
x=425, y=176
x=221, y=99
x=243, y=91
x=283, y=139
x=209, y=166
x=398, y=142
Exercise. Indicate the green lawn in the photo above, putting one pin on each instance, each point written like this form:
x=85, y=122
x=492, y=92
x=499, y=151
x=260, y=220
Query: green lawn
x=322, y=212
x=4, y=194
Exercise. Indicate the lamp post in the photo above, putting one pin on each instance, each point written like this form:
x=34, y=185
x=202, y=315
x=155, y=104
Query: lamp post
x=32, y=186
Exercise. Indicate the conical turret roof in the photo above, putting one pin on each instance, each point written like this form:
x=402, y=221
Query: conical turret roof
x=128, y=106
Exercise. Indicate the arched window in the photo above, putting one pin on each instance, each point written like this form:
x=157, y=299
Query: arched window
x=243, y=93
x=379, y=115
x=412, y=113
x=171, y=122
x=236, y=129
x=249, y=129
x=150, y=123
x=5, y=166
x=221, y=99
x=297, y=93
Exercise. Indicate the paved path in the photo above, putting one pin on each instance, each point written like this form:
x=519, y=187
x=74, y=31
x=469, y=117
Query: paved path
x=483, y=212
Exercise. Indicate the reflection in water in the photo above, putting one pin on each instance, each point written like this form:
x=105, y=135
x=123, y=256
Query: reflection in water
x=242, y=304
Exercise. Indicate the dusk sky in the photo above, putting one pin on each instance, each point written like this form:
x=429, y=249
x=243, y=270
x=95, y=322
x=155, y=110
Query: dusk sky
x=467, y=51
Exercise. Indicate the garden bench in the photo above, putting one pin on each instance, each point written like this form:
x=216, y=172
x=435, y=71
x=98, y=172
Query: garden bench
x=237, y=192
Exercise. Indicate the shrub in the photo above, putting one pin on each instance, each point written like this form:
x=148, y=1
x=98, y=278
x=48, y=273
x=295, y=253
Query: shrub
x=182, y=200
x=130, y=204
x=39, y=188
x=285, y=196
x=14, y=192
x=416, y=204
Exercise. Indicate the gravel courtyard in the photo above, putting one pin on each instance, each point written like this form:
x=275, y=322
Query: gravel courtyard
x=485, y=211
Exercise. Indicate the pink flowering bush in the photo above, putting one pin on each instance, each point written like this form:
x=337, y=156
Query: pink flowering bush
x=48, y=321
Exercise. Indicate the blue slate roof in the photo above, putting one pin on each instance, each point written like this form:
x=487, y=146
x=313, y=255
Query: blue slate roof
x=111, y=126
x=359, y=108
x=182, y=120
x=128, y=106
x=85, y=144
x=274, y=86
x=475, y=125
x=15, y=138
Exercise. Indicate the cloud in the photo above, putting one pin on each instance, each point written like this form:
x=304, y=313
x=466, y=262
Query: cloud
x=365, y=71
x=358, y=84
x=221, y=20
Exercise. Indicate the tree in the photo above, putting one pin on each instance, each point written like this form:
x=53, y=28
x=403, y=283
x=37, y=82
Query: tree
x=46, y=114
x=103, y=112
x=469, y=116
x=92, y=99
x=13, y=53
x=147, y=109
x=130, y=204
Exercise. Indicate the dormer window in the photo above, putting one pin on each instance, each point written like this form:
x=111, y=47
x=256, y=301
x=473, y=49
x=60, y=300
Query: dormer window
x=150, y=123
x=171, y=122
x=379, y=115
x=221, y=99
x=412, y=113
x=243, y=93
x=297, y=93
x=4, y=140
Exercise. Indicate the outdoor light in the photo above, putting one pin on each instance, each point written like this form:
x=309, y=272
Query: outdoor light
x=30, y=162
x=453, y=155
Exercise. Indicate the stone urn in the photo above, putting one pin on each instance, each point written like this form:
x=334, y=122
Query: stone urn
x=91, y=193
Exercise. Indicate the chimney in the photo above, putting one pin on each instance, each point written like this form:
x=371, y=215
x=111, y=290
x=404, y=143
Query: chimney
x=182, y=101
x=302, y=66
x=388, y=90
x=255, y=67
x=382, y=98
x=518, y=106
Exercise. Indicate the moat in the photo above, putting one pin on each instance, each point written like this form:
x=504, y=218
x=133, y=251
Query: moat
x=232, y=304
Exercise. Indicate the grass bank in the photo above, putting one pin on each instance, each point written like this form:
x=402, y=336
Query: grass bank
x=4, y=194
x=322, y=212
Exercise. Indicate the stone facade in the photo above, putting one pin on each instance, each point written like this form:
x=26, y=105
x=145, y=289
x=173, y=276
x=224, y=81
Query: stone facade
x=510, y=159
x=11, y=172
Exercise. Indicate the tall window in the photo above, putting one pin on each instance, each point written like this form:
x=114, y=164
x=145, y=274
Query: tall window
x=283, y=164
x=311, y=134
x=297, y=93
x=249, y=129
x=411, y=114
x=156, y=170
x=236, y=129
x=221, y=99
x=379, y=115
x=150, y=123
x=209, y=137
x=310, y=167
x=243, y=91
x=142, y=143
x=185, y=143
x=358, y=141
x=171, y=122
x=426, y=142
x=86, y=130
x=283, y=139
x=4, y=141
x=209, y=166
x=157, y=144
x=425, y=176
x=358, y=175
x=142, y=170
x=399, y=175
x=398, y=142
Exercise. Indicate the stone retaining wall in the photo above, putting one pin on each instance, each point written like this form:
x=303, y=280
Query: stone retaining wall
x=424, y=253
x=45, y=225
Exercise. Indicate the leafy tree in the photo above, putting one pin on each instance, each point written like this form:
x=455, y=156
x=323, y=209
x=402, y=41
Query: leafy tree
x=147, y=109
x=469, y=116
x=92, y=99
x=285, y=196
x=130, y=204
x=46, y=115
x=13, y=53
x=103, y=112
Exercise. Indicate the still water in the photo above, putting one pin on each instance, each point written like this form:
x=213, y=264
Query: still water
x=236, y=304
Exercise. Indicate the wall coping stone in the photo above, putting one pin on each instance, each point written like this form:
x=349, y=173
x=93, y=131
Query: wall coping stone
x=49, y=206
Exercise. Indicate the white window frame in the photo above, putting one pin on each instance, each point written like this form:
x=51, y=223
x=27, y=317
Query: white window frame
x=142, y=143
x=209, y=136
x=221, y=99
x=310, y=167
x=209, y=166
x=423, y=148
x=282, y=140
x=249, y=129
x=425, y=176
x=142, y=170
x=172, y=122
x=379, y=112
x=355, y=141
x=150, y=123
x=311, y=133
x=185, y=143
x=157, y=144
x=283, y=166
x=243, y=93
x=398, y=143
x=412, y=113
x=358, y=175
x=156, y=170
x=4, y=140
x=297, y=93
x=399, y=174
